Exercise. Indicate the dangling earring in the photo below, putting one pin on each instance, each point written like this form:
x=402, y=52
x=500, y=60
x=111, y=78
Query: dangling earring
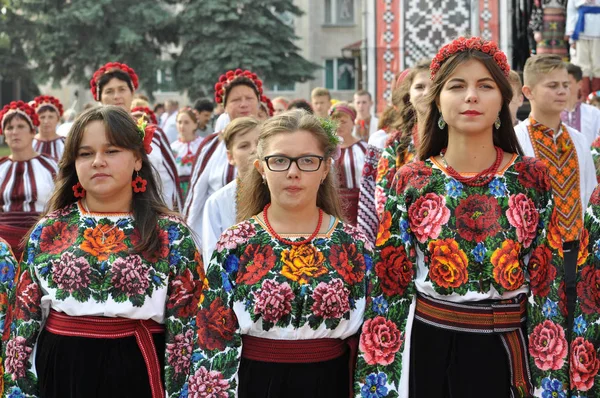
x=498, y=122
x=264, y=180
x=441, y=122
x=78, y=190
x=139, y=183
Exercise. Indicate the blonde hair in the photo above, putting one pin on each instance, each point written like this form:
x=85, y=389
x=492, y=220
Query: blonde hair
x=139, y=102
x=515, y=79
x=537, y=66
x=320, y=92
x=237, y=126
x=255, y=195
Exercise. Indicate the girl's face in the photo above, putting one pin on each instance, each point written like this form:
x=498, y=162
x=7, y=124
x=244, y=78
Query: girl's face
x=243, y=150
x=186, y=127
x=418, y=91
x=345, y=124
x=104, y=170
x=293, y=188
x=470, y=100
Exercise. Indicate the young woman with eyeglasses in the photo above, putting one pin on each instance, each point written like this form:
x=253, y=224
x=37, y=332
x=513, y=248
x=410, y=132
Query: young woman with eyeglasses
x=288, y=286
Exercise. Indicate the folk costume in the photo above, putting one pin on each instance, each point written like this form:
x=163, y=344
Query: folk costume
x=9, y=270
x=454, y=252
x=583, y=26
x=585, y=337
x=160, y=156
x=220, y=213
x=349, y=167
x=211, y=169
x=365, y=128
x=596, y=157
x=584, y=118
x=104, y=319
x=25, y=185
x=55, y=147
x=572, y=174
x=285, y=306
x=185, y=153
x=549, y=18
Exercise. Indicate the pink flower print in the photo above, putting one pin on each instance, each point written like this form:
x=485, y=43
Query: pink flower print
x=236, y=235
x=207, y=384
x=17, y=356
x=130, y=275
x=273, y=300
x=180, y=352
x=427, y=216
x=523, y=215
x=71, y=273
x=331, y=299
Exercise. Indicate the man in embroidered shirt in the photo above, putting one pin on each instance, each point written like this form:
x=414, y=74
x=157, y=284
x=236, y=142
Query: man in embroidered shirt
x=563, y=149
x=366, y=124
x=582, y=117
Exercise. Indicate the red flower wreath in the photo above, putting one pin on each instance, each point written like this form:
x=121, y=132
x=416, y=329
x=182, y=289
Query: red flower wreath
x=146, y=111
x=265, y=100
x=48, y=100
x=229, y=77
x=146, y=132
x=473, y=43
x=109, y=67
x=21, y=108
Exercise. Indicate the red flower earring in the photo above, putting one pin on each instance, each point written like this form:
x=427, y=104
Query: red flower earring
x=139, y=184
x=78, y=190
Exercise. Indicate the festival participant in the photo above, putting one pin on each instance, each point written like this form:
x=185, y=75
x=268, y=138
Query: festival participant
x=289, y=284
x=109, y=306
x=320, y=99
x=220, y=211
x=578, y=115
x=47, y=141
x=9, y=268
x=115, y=84
x=266, y=109
x=300, y=104
x=144, y=112
x=517, y=100
x=184, y=149
x=461, y=241
x=26, y=177
x=240, y=92
x=398, y=148
x=366, y=124
x=280, y=105
x=349, y=164
x=564, y=150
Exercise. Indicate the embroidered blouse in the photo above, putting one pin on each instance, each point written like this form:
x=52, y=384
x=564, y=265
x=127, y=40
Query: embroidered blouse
x=262, y=287
x=53, y=148
x=464, y=244
x=81, y=264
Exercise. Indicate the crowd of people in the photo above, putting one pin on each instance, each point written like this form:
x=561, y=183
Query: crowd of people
x=260, y=248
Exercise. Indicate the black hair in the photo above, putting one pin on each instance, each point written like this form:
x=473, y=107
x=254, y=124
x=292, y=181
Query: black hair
x=575, y=71
x=300, y=104
x=240, y=81
x=114, y=74
x=204, y=105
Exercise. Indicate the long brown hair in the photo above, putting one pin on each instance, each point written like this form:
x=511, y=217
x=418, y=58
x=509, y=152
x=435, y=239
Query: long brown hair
x=254, y=195
x=121, y=132
x=433, y=140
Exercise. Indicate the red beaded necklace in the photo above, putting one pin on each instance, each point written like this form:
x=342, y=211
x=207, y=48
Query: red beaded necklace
x=483, y=177
x=287, y=241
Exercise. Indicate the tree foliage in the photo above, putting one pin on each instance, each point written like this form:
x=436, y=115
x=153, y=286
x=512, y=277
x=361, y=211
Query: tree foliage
x=72, y=38
x=219, y=35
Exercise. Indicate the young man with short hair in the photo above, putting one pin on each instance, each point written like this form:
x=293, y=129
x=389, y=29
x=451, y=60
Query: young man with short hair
x=578, y=115
x=321, y=101
x=203, y=108
x=366, y=124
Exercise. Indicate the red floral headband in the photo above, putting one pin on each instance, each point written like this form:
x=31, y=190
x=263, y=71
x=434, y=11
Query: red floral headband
x=48, y=100
x=22, y=109
x=345, y=109
x=146, y=111
x=146, y=132
x=268, y=104
x=229, y=77
x=473, y=43
x=110, y=67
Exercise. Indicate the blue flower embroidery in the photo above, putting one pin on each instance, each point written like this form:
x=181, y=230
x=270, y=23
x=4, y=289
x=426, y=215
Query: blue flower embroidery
x=225, y=281
x=479, y=252
x=552, y=388
x=30, y=255
x=3, y=249
x=173, y=233
x=16, y=392
x=368, y=262
x=454, y=188
x=375, y=386
x=380, y=305
x=497, y=188
x=405, y=231
x=550, y=309
x=184, y=391
x=597, y=246
x=37, y=232
x=7, y=273
x=579, y=325
x=232, y=263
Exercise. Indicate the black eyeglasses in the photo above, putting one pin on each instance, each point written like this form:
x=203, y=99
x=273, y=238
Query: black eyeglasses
x=283, y=163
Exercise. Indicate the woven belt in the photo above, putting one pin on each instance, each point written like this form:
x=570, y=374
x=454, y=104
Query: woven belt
x=98, y=327
x=504, y=318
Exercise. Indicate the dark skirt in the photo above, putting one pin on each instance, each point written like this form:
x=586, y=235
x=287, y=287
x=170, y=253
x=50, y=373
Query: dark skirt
x=448, y=364
x=80, y=367
x=329, y=379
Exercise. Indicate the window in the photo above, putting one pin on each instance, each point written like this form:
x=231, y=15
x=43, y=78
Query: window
x=339, y=12
x=164, y=80
x=340, y=74
x=280, y=87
